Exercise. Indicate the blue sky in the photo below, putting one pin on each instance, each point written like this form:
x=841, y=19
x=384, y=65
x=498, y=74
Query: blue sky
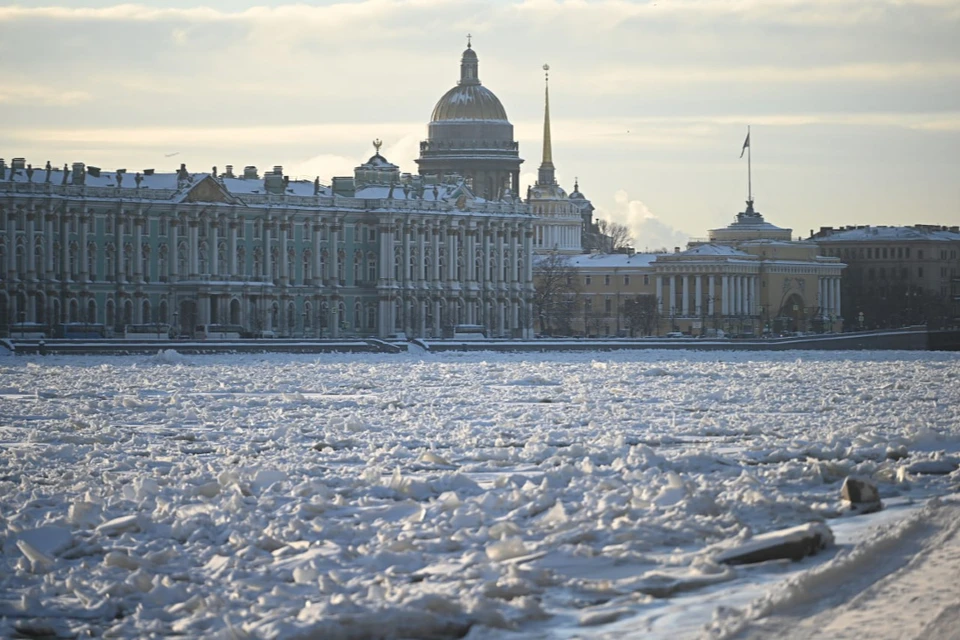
x=854, y=106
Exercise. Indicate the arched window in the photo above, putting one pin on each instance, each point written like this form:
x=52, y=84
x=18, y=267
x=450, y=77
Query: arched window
x=241, y=261
x=145, y=314
x=182, y=259
x=371, y=316
x=357, y=268
x=307, y=265
x=274, y=262
x=222, y=268
x=92, y=260
x=291, y=264
x=145, y=262
x=162, y=312
x=202, y=254
x=162, y=263
x=371, y=268
x=323, y=265
x=128, y=261
x=38, y=255
x=341, y=266
x=74, y=258
x=92, y=311
x=258, y=262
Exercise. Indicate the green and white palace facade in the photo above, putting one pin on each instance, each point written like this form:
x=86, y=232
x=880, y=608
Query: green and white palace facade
x=375, y=254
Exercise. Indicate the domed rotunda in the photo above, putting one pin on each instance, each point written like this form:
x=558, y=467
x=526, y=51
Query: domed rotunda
x=469, y=134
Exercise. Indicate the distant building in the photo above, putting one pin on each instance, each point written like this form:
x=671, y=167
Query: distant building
x=469, y=135
x=897, y=275
x=375, y=254
x=747, y=278
x=559, y=218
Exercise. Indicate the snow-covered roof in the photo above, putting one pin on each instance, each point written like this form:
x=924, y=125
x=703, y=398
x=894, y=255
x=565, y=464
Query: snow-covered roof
x=712, y=250
x=934, y=233
x=239, y=186
x=612, y=260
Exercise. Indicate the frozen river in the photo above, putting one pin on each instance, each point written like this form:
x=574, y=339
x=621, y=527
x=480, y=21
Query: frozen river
x=434, y=496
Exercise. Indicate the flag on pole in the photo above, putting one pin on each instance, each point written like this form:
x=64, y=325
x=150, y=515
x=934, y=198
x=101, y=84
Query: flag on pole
x=746, y=143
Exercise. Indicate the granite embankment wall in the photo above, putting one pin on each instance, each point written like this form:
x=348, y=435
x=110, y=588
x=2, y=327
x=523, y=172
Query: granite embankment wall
x=906, y=340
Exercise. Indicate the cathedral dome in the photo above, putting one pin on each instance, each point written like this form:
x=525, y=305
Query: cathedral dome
x=469, y=100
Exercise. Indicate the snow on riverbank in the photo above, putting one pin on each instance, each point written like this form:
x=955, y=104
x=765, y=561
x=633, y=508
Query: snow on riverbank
x=348, y=496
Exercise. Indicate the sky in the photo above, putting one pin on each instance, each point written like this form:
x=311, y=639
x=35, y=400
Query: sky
x=854, y=105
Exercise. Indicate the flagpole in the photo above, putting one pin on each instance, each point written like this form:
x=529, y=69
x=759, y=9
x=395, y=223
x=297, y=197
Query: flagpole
x=749, y=174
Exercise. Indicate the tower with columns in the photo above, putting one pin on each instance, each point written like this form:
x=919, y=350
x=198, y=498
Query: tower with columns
x=559, y=221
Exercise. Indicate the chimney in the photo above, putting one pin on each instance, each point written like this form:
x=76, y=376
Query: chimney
x=229, y=172
x=79, y=173
x=250, y=173
x=18, y=163
x=676, y=249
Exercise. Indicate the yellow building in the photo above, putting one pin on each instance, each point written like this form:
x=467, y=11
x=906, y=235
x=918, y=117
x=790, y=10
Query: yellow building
x=749, y=278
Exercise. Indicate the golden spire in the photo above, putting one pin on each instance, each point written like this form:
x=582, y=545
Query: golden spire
x=546, y=174
x=547, y=145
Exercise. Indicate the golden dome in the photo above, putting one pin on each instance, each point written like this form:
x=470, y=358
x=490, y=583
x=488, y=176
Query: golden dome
x=469, y=100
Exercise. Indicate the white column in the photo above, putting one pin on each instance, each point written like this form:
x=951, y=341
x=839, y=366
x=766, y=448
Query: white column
x=660, y=295
x=138, y=273
x=756, y=296
x=711, y=292
x=698, y=292
x=671, y=308
x=48, y=250
x=194, y=248
x=232, y=249
x=282, y=262
x=173, y=255
x=685, y=304
x=836, y=297
x=213, y=256
x=744, y=295
x=514, y=251
x=737, y=295
x=724, y=295
x=267, y=267
x=828, y=296
x=316, y=230
x=334, y=248
x=419, y=276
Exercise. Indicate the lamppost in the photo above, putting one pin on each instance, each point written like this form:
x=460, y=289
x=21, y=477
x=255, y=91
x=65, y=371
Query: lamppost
x=303, y=326
x=860, y=318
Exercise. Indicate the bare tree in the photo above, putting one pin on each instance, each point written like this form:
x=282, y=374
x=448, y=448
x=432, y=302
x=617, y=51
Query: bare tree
x=620, y=237
x=556, y=293
x=641, y=314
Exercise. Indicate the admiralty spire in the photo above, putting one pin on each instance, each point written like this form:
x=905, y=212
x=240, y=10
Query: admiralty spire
x=559, y=225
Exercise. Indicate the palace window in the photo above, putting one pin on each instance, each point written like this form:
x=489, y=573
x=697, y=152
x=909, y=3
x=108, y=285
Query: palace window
x=606, y=281
x=626, y=280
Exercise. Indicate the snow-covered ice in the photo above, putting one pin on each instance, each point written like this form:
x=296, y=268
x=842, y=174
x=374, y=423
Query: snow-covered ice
x=442, y=495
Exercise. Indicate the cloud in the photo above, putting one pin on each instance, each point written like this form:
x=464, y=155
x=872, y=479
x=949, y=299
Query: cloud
x=34, y=94
x=649, y=232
